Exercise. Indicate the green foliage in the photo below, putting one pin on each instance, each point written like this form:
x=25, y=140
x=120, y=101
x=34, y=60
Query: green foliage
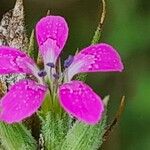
x=96, y=36
x=46, y=106
x=16, y=137
x=64, y=133
x=95, y=39
x=33, y=53
x=54, y=129
x=60, y=131
x=81, y=77
x=84, y=137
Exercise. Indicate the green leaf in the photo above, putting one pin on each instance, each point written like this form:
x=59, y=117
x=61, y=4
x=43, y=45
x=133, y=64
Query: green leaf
x=16, y=137
x=33, y=53
x=98, y=31
x=54, y=129
x=46, y=106
x=84, y=137
x=81, y=77
x=96, y=36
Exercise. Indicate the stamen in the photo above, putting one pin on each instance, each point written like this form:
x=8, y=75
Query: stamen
x=56, y=75
x=50, y=65
x=68, y=61
x=42, y=73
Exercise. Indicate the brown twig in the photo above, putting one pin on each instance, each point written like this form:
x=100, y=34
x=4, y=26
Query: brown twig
x=103, y=14
x=116, y=119
x=98, y=31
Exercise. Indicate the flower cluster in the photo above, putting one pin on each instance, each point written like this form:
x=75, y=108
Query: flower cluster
x=78, y=99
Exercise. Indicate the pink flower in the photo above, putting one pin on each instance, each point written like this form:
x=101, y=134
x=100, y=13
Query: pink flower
x=77, y=98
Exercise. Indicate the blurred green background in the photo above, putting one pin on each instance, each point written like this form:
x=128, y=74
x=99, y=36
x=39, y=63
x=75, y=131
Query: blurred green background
x=127, y=28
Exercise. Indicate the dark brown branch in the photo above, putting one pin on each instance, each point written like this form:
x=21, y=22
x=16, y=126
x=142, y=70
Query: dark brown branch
x=116, y=119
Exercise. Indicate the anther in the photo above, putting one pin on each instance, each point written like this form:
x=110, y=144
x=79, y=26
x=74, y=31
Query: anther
x=68, y=61
x=42, y=73
x=56, y=75
x=50, y=65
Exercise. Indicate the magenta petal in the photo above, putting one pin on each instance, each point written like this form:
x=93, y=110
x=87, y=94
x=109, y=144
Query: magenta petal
x=79, y=100
x=51, y=33
x=96, y=58
x=14, y=61
x=22, y=100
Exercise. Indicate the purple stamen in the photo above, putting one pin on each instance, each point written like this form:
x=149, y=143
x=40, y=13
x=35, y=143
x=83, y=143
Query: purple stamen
x=50, y=65
x=56, y=75
x=68, y=61
x=42, y=73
